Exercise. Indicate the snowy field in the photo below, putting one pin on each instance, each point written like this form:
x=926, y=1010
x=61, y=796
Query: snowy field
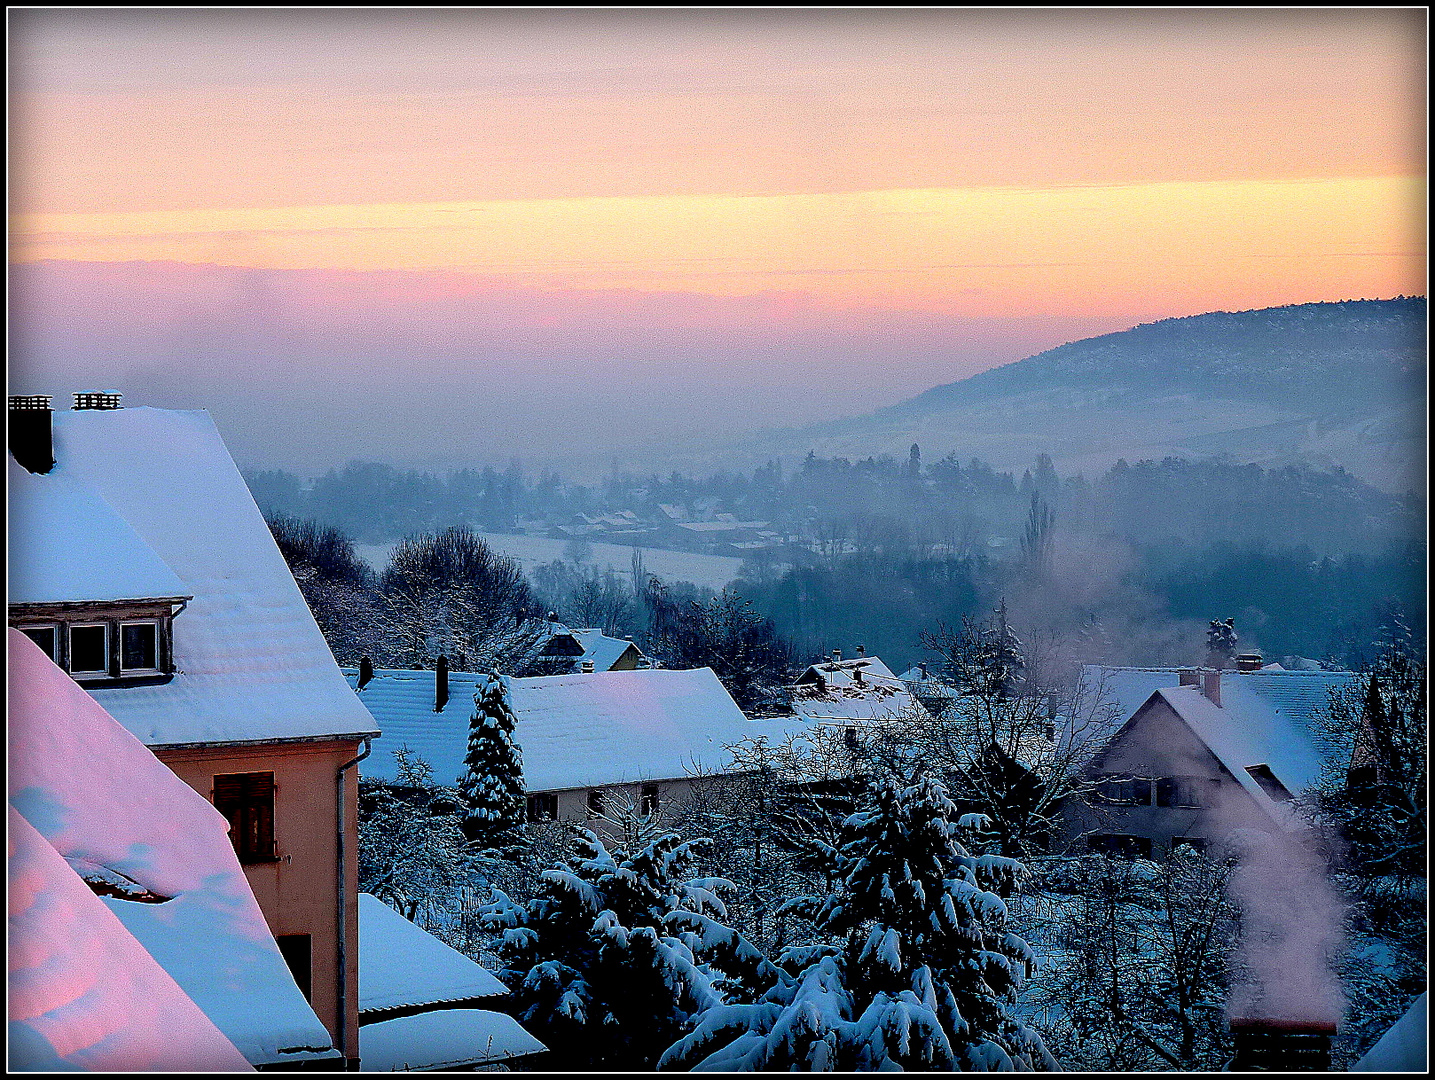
x=712, y=571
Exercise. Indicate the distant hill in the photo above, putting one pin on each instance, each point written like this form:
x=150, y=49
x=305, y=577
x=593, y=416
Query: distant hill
x=1328, y=384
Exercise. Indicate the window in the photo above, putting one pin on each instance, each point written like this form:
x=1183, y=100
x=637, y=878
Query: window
x=849, y=737
x=1119, y=845
x=595, y=803
x=542, y=807
x=297, y=950
x=247, y=800
x=1181, y=791
x=90, y=649
x=47, y=637
x=649, y=799
x=139, y=646
x=1124, y=791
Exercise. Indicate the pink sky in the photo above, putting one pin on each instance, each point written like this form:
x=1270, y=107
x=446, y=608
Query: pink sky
x=930, y=192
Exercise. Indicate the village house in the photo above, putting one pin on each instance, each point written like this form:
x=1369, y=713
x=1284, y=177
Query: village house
x=587, y=740
x=136, y=943
x=856, y=689
x=1181, y=756
x=141, y=566
x=425, y=1006
x=567, y=651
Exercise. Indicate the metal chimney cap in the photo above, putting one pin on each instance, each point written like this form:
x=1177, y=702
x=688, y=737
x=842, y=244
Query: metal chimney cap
x=98, y=399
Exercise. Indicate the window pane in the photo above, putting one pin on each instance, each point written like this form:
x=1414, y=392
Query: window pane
x=247, y=800
x=139, y=646
x=89, y=649
x=43, y=636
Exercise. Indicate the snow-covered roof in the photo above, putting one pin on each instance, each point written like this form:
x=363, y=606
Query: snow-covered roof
x=113, y=810
x=84, y=994
x=443, y=1039
x=1403, y=1048
x=575, y=731
x=67, y=545
x=1278, y=711
x=402, y=965
x=602, y=650
x=253, y=665
x=927, y=685
x=839, y=696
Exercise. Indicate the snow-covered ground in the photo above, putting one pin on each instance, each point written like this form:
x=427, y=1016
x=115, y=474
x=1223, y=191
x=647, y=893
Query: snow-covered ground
x=711, y=571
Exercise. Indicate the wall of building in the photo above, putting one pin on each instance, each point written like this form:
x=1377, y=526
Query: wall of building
x=299, y=892
x=573, y=802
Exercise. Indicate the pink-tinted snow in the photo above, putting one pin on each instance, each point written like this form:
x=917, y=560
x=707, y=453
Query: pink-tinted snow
x=99, y=797
x=84, y=994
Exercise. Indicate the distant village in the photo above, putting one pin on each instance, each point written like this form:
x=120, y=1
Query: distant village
x=232, y=849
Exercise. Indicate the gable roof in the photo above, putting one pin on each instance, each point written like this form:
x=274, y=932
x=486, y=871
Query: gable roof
x=1403, y=1046
x=115, y=812
x=402, y=965
x=1278, y=712
x=839, y=696
x=444, y=1039
x=253, y=666
x=574, y=731
x=603, y=650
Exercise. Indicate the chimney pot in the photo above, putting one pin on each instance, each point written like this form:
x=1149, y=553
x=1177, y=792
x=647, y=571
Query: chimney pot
x=857, y=675
x=923, y=669
x=98, y=399
x=31, y=432
x=1249, y=661
x=440, y=679
x=861, y=650
x=1211, y=686
x=836, y=655
x=366, y=671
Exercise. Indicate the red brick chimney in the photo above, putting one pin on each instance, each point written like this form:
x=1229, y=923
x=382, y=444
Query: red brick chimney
x=1211, y=685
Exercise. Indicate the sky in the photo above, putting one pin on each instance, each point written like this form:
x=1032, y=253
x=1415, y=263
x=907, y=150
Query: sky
x=450, y=235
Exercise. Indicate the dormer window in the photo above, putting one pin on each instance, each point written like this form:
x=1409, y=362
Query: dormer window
x=100, y=643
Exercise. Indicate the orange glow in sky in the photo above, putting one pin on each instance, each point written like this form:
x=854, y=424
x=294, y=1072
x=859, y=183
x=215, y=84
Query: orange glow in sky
x=994, y=163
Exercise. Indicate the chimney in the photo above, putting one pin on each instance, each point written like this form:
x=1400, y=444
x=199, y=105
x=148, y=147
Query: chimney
x=31, y=439
x=440, y=679
x=98, y=399
x=586, y=667
x=857, y=675
x=1249, y=661
x=836, y=656
x=1211, y=686
x=861, y=650
x=1266, y=1045
x=923, y=669
x=1189, y=677
x=366, y=672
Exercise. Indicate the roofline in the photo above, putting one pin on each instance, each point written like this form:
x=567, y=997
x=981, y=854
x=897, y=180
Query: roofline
x=267, y=742
x=20, y=606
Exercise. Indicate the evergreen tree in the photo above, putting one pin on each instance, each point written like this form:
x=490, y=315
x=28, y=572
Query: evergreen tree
x=924, y=972
x=492, y=785
x=1220, y=643
x=610, y=963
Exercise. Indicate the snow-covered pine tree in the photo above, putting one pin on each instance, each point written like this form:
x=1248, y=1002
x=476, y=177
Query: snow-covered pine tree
x=612, y=961
x=1220, y=643
x=492, y=783
x=925, y=972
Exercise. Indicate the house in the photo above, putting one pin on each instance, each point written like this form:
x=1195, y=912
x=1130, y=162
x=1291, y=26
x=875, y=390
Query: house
x=860, y=688
x=142, y=567
x=136, y=943
x=1217, y=750
x=934, y=694
x=585, y=738
x=424, y=1005
x=567, y=651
